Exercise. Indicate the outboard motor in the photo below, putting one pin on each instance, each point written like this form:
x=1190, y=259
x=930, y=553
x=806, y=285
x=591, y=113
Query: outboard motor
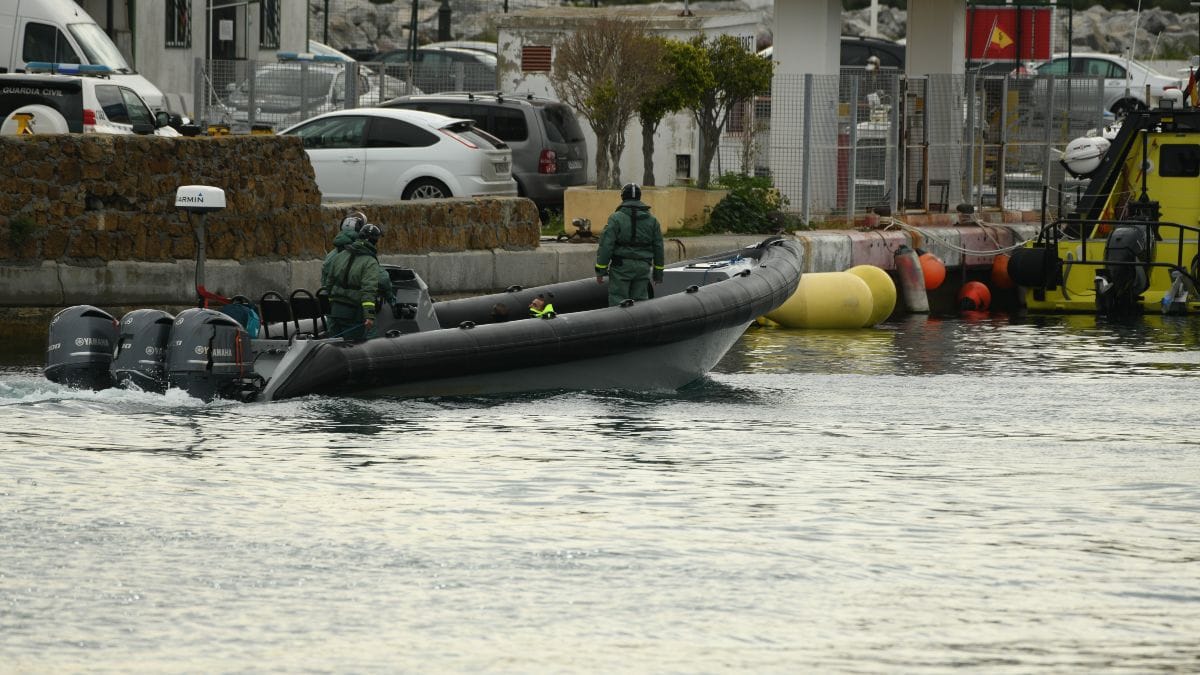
x=141, y=360
x=80, y=348
x=208, y=356
x=1125, y=275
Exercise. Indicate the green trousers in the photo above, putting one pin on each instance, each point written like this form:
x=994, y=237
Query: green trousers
x=347, y=322
x=629, y=280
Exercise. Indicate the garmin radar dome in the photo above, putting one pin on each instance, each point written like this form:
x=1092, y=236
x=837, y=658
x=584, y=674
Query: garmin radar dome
x=199, y=198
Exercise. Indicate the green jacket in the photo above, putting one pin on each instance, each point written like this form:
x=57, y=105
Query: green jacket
x=343, y=239
x=622, y=239
x=355, y=277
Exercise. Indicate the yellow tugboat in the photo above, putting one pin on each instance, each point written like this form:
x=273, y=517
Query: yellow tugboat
x=1133, y=245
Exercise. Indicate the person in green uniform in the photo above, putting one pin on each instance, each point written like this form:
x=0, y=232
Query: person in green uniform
x=347, y=234
x=631, y=249
x=354, y=278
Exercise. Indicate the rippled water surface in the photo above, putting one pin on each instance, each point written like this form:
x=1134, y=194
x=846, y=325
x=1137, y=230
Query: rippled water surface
x=932, y=495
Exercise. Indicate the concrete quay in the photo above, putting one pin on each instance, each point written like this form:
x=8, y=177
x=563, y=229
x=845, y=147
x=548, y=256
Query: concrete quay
x=51, y=284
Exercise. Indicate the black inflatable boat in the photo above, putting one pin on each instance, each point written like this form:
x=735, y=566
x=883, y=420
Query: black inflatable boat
x=454, y=347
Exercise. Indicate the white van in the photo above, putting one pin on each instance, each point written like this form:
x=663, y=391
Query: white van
x=59, y=31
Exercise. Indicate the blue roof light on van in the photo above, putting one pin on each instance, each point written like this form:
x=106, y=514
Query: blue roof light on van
x=68, y=68
x=307, y=56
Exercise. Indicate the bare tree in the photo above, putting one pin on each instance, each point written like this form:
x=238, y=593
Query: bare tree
x=604, y=70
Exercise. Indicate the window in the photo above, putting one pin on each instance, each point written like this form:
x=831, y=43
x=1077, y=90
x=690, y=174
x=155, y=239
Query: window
x=1179, y=161
x=268, y=24
x=561, y=125
x=179, y=24
x=1056, y=67
x=332, y=132
x=44, y=42
x=111, y=102
x=386, y=132
x=138, y=112
x=509, y=124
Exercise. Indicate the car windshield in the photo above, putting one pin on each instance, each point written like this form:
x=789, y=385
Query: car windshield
x=561, y=125
x=98, y=48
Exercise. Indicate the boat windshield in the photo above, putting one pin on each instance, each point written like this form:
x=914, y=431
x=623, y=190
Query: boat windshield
x=97, y=48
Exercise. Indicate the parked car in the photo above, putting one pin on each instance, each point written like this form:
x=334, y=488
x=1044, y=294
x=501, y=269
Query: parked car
x=383, y=154
x=857, y=50
x=438, y=69
x=548, y=147
x=476, y=45
x=297, y=88
x=70, y=98
x=1125, y=80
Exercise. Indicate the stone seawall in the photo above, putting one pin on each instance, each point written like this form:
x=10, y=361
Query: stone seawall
x=87, y=200
x=92, y=218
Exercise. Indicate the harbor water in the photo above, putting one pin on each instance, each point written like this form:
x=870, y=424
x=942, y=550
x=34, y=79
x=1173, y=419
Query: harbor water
x=933, y=495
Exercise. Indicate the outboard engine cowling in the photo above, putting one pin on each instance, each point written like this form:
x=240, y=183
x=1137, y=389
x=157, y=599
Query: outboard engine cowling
x=208, y=356
x=80, y=347
x=1125, y=276
x=141, y=360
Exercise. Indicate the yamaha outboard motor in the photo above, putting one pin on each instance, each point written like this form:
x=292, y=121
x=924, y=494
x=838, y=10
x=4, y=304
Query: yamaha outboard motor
x=141, y=360
x=80, y=348
x=208, y=356
x=1125, y=275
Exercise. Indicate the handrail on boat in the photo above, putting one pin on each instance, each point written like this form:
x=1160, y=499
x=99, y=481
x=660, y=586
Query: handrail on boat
x=1059, y=230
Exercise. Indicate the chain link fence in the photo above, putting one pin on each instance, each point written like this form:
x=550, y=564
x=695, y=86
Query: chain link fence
x=841, y=146
x=248, y=94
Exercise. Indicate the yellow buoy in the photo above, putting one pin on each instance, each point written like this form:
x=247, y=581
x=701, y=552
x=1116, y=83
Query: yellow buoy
x=826, y=300
x=883, y=291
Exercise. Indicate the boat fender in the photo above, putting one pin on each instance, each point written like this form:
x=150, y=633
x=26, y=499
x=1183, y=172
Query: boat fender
x=912, y=280
x=974, y=296
x=79, y=351
x=467, y=325
x=1033, y=267
x=692, y=289
x=933, y=269
x=1000, y=277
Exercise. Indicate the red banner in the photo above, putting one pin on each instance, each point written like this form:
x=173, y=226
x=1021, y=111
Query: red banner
x=1009, y=33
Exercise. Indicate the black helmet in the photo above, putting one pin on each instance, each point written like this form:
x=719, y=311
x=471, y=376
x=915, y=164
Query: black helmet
x=354, y=221
x=370, y=232
x=631, y=191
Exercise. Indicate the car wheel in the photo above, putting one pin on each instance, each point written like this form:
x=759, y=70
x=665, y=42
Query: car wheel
x=1125, y=106
x=426, y=188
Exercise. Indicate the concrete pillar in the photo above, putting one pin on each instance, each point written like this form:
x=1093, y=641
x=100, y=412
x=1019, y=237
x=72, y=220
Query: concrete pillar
x=806, y=41
x=937, y=37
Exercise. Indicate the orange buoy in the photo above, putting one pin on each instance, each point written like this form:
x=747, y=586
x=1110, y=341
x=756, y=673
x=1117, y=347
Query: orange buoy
x=1000, y=278
x=974, y=296
x=934, y=270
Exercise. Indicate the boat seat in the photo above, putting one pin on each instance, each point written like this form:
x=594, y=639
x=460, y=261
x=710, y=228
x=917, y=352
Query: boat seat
x=323, y=300
x=305, y=305
x=274, y=310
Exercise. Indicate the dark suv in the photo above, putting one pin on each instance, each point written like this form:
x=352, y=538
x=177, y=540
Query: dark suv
x=548, y=148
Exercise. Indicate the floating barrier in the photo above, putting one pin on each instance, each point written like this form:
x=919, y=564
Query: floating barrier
x=883, y=291
x=826, y=300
